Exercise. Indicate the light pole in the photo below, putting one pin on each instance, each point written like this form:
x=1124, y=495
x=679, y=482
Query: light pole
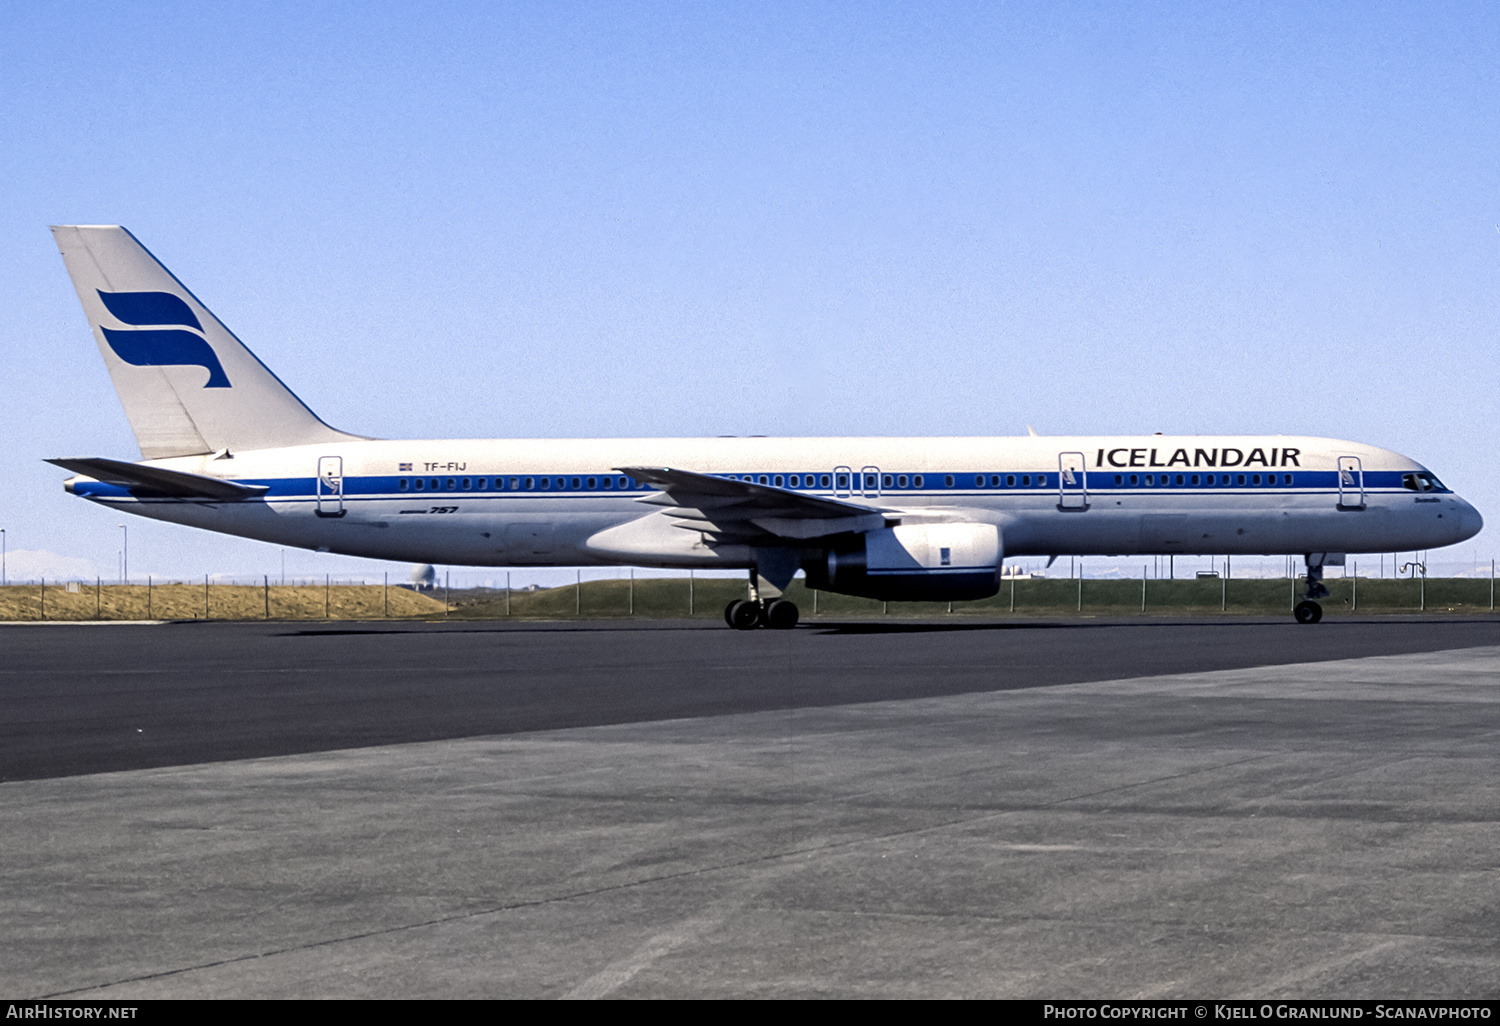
x=2, y=556
x=124, y=554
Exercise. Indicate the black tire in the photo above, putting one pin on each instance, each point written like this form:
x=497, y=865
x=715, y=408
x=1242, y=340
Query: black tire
x=744, y=615
x=781, y=615
x=729, y=612
x=1308, y=612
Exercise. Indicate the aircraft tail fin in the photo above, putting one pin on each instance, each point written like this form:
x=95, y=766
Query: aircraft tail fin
x=187, y=384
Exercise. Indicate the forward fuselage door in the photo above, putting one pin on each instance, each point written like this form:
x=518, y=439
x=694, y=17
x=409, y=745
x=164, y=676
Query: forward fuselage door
x=330, y=486
x=1351, y=483
x=1072, y=482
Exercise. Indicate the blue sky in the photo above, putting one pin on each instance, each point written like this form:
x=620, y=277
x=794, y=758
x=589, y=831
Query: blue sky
x=638, y=219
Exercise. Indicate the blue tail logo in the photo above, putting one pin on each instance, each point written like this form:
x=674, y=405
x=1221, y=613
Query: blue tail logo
x=163, y=343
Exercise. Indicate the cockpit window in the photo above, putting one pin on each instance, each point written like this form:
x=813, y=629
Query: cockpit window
x=1422, y=482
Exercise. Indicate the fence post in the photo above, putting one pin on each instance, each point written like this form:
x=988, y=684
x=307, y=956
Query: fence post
x=386, y=594
x=44, y=598
x=327, y=601
x=1012, y=593
x=630, y=594
x=98, y=607
x=148, y=596
x=266, y=584
x=1143, y=588
x=1224, y=588
x=507, y=593
x=205, y=596
x=690, y=593
x=1354, y=589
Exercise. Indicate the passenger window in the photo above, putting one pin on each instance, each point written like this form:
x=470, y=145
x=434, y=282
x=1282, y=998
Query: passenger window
x=843, y=481
x=1150, y=479
x=1241, y=478
x=1179, y=480
x=420, y=483
x=1026, y=480
x=404, y=484
x=823, y=480
x=1010, y=480
x=577, y=483
x=917, y=481
x=1041, y=480
x=777, y=480
x=1255, y=479
x=467, y=483
x=1135, y=479
x=947, y=480
x=901, y=481
x=625, y=482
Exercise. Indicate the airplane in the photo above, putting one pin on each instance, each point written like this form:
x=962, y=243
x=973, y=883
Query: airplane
x=227, y=447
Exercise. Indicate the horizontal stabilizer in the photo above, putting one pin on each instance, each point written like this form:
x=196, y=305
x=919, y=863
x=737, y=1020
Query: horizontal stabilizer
x=160, y=480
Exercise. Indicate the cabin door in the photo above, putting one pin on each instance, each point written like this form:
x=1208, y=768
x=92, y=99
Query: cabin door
x=1072, y=482
x=871, y=482
x=1351, y=483
x=330, y=486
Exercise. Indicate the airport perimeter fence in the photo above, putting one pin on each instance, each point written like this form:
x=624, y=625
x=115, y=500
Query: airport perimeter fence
x=687, y=597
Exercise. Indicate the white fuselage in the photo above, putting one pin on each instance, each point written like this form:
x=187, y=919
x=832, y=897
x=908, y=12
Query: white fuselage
x=563, y=502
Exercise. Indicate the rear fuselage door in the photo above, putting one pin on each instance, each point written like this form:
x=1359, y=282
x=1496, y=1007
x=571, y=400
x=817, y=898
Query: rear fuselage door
x=1351, y=483
x=1072, y=482
x=330, y=486
x=871, y=482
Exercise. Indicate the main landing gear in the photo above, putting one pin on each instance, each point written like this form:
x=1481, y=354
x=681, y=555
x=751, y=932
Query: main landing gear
x=1308, y=610
x=747, y=614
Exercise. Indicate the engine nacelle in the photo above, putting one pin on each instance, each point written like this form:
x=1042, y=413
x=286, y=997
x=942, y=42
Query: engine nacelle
x=916, y=562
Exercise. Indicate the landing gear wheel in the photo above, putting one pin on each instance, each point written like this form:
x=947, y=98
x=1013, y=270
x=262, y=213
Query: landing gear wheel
x=781, y=615
x=744, y=615
x=1308, y=612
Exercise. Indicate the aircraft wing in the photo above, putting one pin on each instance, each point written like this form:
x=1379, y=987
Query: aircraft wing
x=743, y=510
x=161, y=481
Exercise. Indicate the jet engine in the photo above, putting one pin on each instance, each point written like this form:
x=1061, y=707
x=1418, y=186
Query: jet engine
x=914, y=562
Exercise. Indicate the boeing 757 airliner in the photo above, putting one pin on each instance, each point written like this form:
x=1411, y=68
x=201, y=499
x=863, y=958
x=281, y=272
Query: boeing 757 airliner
x=227, y=447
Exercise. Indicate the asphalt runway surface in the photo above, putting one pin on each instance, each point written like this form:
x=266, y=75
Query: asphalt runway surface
x=88, y=699
x=1077, y=809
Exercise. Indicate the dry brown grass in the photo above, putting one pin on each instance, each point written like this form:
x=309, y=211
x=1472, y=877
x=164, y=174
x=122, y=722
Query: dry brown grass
x=215, y=602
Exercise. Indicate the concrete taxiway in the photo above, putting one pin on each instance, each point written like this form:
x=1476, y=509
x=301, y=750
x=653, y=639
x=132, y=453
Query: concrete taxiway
x=1046, y=812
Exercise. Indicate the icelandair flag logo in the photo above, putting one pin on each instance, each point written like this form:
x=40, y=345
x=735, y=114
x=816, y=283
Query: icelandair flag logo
x=163, y=343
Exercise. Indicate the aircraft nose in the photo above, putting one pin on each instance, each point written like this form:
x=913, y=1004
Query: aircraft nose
x=1469, y=521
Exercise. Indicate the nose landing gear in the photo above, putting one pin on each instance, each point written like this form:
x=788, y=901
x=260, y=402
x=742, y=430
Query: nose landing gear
x=1308, y=610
